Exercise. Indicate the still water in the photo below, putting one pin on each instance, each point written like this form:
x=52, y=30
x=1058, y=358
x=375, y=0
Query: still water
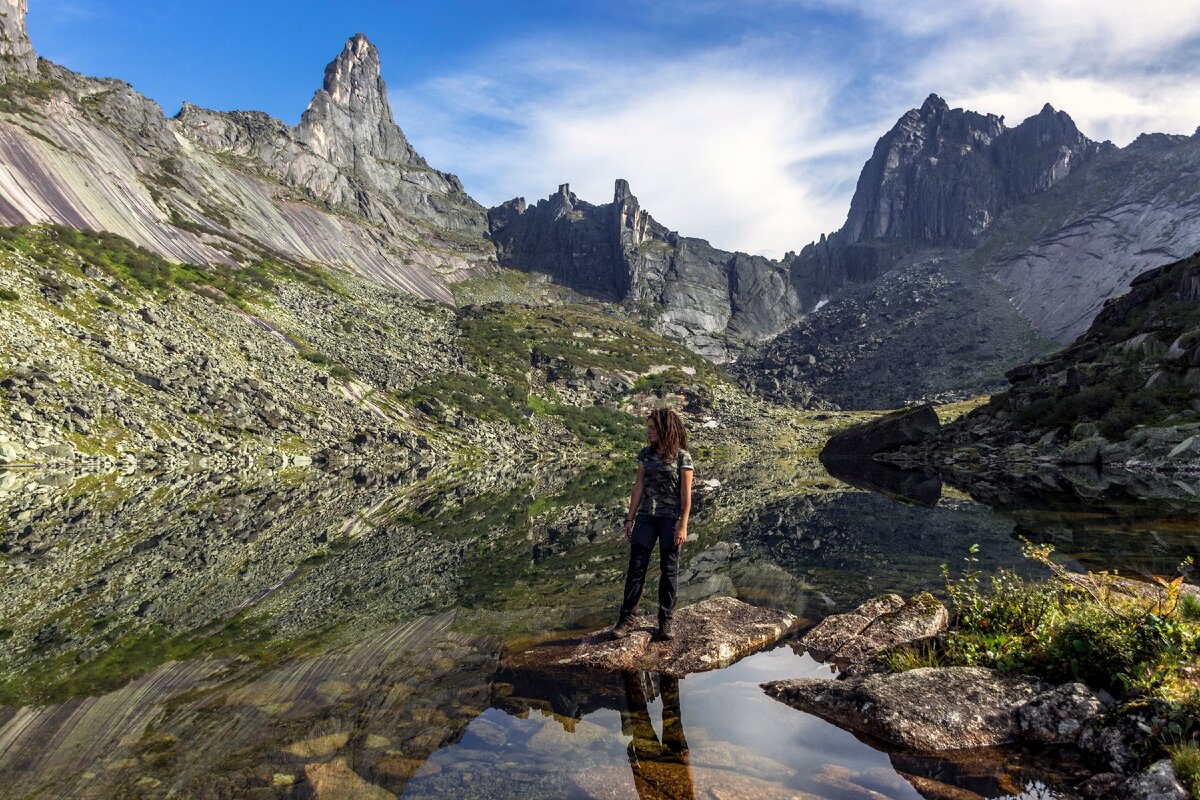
x=307, y=634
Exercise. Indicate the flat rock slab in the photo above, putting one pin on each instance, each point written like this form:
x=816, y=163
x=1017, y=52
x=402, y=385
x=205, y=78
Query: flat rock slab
x=877, y=625
x=927, y=709
x=708, y=635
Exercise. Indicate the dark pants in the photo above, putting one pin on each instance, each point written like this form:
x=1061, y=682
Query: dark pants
x=646, y=531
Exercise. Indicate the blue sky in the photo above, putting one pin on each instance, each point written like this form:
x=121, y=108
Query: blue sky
x=742, y=122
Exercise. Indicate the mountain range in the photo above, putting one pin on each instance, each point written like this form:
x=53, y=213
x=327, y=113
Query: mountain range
x=969, y=246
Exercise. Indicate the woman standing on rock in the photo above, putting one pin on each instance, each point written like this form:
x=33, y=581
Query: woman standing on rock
x=658, y=512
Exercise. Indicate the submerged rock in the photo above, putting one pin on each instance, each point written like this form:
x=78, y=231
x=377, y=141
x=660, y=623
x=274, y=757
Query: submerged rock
x=711, y=634
x=877, y=625
x=930, y=709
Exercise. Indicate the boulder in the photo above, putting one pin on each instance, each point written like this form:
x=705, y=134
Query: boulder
x=1118, y=739
x=1085, y=451
x=927, y=709
x=1156, y=782
x=1059, y=715
x=909, y=426
x=710, y=634
x=877, y=625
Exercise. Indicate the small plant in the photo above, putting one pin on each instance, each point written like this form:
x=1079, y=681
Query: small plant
x=9, y=296
x=1186, y=760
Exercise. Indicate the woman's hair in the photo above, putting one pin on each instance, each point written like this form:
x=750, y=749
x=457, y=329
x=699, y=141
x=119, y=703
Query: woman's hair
x=671, y=435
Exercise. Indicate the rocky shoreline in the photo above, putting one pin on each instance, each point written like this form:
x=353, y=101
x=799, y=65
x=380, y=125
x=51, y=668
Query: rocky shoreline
x=944, y=709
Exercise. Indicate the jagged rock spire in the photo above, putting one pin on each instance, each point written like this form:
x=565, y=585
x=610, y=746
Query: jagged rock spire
x=349, y=117
x=17, y=58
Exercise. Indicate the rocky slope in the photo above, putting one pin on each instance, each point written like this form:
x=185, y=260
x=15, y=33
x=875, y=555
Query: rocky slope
x=683, y=287
x=114, y=356
x=929, y=329
x=971, y=247
x=1066, y=252
x=344, y=188
x=1126, y=393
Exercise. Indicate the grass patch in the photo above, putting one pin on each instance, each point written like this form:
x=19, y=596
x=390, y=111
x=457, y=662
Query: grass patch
x=133, y=268
x=1186, y=760
x=9, y=296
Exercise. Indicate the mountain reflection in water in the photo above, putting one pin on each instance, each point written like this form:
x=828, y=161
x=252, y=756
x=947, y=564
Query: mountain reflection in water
x=279, y=634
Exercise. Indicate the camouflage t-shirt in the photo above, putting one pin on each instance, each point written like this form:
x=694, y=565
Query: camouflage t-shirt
x=660, y=482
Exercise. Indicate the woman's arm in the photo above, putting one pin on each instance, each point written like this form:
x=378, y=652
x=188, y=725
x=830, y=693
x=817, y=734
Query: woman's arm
x=635, y=498
x=685, y=504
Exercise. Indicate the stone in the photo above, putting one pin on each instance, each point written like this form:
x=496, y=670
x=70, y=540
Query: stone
x=1059, y=715
x=335, y=780
x=709, y=635
x=1085, y=451
x=1156, y=782
x=876, y=626
x=889, y=432
x=926, y=709
x=1119, y=738
x=319, y=746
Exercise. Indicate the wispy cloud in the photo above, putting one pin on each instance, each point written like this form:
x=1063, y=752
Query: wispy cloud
x=755, y=144
x=718, y=145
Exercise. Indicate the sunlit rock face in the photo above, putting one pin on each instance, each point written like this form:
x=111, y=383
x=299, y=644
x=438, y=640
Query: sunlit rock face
x=344, y=188
x=17, y=59
x=1125, y=213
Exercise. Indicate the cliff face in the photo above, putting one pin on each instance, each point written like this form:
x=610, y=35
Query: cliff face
x=343, y=188
x=712, y=299
x=17, y=59
x=347, y=151
x=939, y=178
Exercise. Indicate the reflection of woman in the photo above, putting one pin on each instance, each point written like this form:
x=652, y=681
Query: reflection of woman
x=658, y=512
x=661, y=770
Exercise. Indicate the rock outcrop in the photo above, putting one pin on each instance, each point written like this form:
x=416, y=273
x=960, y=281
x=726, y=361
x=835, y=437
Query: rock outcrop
x=926, y=709
x=347, y=150
x=1126, y=393
x=710, y=634
x=876, y=626
x=714, y=300
x=17, y=59
x=940, y=177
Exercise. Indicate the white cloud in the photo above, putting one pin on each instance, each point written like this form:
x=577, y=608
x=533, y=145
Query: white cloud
x=715, y=147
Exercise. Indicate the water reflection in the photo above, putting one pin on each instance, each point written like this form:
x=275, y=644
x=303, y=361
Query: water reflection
x=661, y=767
x=203, y=633
x=907, y=485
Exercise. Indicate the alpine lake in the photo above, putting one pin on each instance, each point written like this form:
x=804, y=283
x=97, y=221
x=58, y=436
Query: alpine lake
x=343, y=634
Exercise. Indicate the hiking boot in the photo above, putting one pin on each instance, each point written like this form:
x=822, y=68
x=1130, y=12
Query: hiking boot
x=623, y=628
x=664, y=633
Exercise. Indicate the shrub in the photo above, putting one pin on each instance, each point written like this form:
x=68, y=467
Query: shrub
x=1061, y=631
x=8, y=295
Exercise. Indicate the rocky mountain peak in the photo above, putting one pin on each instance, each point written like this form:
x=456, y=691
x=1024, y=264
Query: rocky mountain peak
x=17, y=59
x=933, y=106
x=941, y=175
x=350, y=118
x=353, y=78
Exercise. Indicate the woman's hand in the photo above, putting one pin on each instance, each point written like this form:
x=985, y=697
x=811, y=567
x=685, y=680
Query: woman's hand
x=629, y=530
x=680, y=533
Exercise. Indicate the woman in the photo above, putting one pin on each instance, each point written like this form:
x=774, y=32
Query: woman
x=658, y=512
